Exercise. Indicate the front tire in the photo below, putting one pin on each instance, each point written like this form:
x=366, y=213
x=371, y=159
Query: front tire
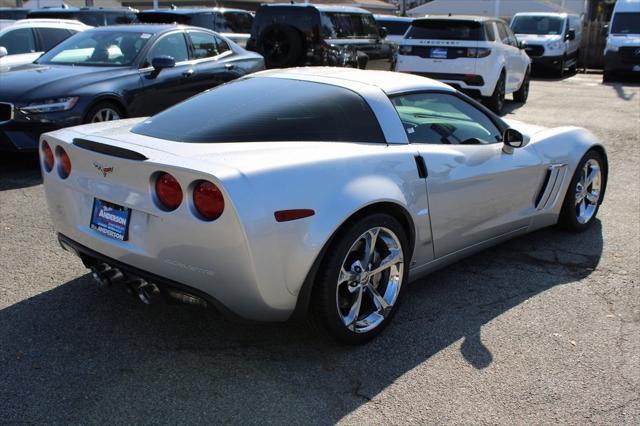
x=359, y=284
x=559, y=71
x=584, y=194
x=103, y=111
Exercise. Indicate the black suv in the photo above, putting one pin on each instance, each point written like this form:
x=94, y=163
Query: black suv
x=232, y=23
x=94, y=16
x=306, y=34
x=13, y=13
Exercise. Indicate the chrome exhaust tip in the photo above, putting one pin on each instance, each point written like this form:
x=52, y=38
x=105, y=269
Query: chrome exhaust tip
x=147, y=292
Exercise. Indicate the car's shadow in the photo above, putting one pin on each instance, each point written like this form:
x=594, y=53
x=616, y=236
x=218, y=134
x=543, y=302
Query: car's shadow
x=19, y=170
x=80, y=354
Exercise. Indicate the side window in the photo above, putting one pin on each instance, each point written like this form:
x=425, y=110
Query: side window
x=439, y=118
x=52, y=36
x=488, y=29
x=170, y=45
x=503, y=35
x=18, y=41
x=220, y=23
x=513, y=41
x=223, y=46
x=204, y=44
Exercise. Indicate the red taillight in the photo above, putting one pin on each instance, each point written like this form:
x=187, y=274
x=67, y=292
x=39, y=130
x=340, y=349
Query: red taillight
x=168, y=191
x=208, y=200
x=65, y=163
x=48, y=156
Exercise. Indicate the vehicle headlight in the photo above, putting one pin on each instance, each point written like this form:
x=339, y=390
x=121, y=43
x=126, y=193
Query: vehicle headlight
x=406, y=50
x=50, y=105
x=611, y=47
x=555, y=45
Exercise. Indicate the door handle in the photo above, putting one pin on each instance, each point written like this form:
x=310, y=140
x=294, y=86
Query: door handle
x=188, y=73
x=229, y=66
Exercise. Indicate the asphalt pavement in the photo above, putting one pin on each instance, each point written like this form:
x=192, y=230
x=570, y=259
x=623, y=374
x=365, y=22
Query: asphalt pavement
x=542, y=329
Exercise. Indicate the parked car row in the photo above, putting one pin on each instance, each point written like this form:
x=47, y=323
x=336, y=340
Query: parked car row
x=186, y=202
x=113, y=72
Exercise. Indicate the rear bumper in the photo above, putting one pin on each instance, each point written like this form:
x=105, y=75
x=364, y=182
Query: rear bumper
x=475, y=87
x=217, y=259
x=92, y=258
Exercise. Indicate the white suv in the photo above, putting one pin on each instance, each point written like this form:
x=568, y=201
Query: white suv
x=478, y=56
x=553, y=39
x=25, y=40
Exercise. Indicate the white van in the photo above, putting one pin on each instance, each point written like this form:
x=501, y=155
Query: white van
x=553, y=39
x=622, y=52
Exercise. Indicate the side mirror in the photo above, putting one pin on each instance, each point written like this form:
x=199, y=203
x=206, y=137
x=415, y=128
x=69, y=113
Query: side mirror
x=383, y=32
x=571, y=35
x=605, y=30
x=3, y=52
x=511, y=138
x=522, y=44
x=163, y=61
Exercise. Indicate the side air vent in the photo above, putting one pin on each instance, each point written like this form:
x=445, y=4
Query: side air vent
x=113, y=151
x=550, y=190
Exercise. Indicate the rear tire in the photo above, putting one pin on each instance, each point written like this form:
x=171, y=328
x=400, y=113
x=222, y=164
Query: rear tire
x=584, y=195
x=496, y=101
x=522, y=93
x=281, y=46
x=349, y=302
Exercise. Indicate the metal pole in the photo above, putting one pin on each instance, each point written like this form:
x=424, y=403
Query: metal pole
x=403, y=8
x=496, y=11
x=88, y=3
x=155, y=4
x=18, y=3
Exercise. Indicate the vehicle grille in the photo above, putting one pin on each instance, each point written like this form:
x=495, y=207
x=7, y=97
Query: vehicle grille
x=534, y=50
x=630, y=54
x=6, y=112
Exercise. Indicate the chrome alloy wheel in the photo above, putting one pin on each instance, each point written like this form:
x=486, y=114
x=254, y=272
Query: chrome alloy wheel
x=588, y=191
x=370, y=279
x=105, y=114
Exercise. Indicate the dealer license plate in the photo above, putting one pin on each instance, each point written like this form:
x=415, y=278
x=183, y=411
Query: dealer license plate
x=110, y=219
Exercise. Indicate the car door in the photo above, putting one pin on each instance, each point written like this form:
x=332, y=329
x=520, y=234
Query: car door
x=213, y=60
x=168, y=86
x=513, y=57
x=476, y=191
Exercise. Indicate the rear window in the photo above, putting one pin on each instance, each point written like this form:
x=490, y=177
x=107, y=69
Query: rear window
x=267, y=109
x=396, y=28
x=164, y=18
x=445, y=29
x=348, y=25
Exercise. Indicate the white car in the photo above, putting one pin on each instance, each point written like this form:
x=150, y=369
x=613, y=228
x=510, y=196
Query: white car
x=396, y=26
x=479, y=56
x=622, y=52
x=310, y=190
x=25, y=40
x=553, y=39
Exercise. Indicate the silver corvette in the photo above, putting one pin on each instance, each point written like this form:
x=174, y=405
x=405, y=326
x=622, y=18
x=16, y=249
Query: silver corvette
x=315, y=191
